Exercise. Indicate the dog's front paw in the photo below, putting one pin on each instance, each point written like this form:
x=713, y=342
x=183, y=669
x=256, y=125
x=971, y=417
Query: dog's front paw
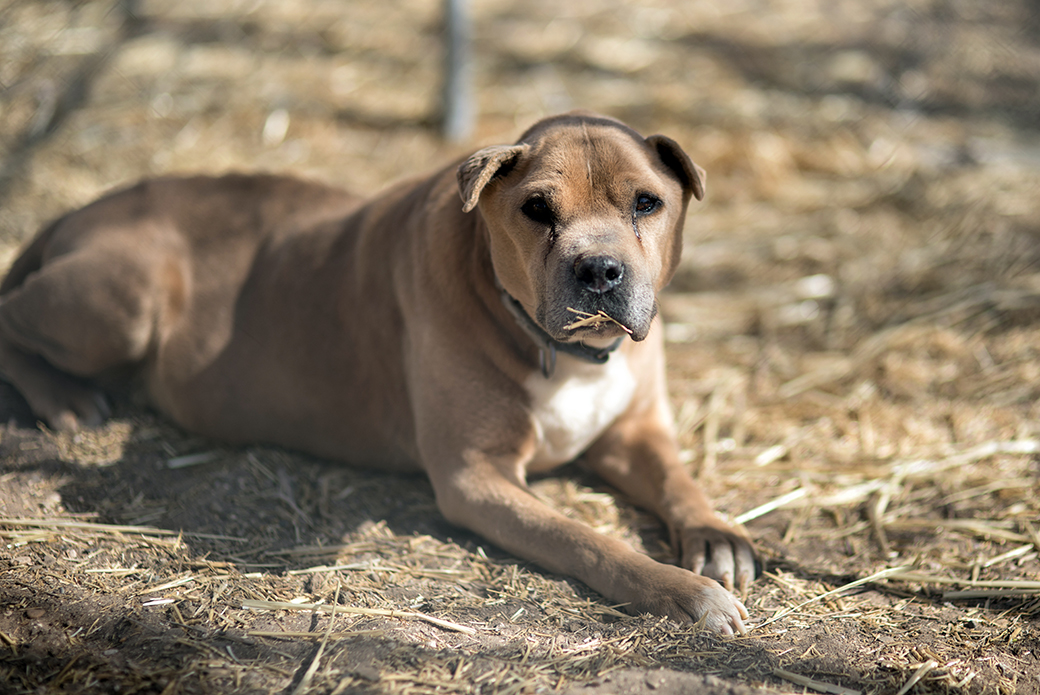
x=685, y=597
x=715, y=549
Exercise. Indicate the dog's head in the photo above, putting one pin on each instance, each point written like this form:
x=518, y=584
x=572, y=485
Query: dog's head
x=585, y=220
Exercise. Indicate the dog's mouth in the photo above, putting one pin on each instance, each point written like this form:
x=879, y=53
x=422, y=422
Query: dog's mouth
x=599, y=323
x=575, y=309
x=596, y=330
x=594, y=326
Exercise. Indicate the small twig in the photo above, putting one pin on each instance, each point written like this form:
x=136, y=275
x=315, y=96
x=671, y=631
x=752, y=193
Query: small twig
x=711, y=430
x=192, y=459
x=587, y=320
x=111, y=528
x=979, y=528
x=970, y=594
x=773, y=453
x=875, y=513
x=314, y=635
x=168, y=585
x=1033, y=534
x=1009, y=555
x=376, y=567
x=918, y=675
x=883, y=574
x=920, y=578
x=308, y=676
x=281, y=605
x=818, y=686
x=764, y=509
x=9, y=641
x=1023, y=447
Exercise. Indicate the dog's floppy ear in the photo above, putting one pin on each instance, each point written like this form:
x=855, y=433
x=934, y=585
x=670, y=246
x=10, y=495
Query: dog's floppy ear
x=673, y=157
x=481, y=167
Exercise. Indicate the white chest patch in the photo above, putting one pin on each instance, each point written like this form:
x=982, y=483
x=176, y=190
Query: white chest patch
x=570, y=410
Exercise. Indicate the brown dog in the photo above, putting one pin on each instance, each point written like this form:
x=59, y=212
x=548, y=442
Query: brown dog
x=481, y=341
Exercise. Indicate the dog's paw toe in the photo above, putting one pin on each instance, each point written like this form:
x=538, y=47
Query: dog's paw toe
x=721, y=553
x=689, y=598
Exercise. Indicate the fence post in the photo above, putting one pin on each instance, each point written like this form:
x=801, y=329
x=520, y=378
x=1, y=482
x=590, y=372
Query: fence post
x=457, y=98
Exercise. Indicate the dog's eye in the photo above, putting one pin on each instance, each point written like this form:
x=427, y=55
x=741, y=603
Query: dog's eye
x=646, y=203
x=538, y=210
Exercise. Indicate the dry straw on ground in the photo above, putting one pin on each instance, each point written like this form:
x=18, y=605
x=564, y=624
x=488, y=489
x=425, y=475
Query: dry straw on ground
x=852, y=354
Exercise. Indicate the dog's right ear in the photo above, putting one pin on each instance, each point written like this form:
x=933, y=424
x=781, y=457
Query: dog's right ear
x=484, y=165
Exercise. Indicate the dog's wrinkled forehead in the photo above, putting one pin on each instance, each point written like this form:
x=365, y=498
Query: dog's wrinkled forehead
x=595, y=162
x=564, y=144
x=581, y=120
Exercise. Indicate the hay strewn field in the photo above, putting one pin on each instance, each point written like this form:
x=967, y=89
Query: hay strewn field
x=854, y=338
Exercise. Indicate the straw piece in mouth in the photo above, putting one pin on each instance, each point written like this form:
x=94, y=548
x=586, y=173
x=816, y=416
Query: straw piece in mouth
x=587, y=320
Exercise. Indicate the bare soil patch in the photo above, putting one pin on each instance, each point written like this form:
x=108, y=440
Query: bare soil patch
x=853, y=336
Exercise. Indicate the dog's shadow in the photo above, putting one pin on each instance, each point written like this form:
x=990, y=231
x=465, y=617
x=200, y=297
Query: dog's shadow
x=260, y=507
x=237, y=502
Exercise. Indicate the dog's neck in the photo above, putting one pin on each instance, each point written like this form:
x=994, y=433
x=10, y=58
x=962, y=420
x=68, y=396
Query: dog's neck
x=549, y=346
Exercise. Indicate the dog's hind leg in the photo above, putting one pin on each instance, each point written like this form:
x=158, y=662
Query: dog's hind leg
x=62, y=401
x=73, y=317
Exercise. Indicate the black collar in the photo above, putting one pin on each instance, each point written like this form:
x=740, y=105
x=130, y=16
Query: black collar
x=549, y=346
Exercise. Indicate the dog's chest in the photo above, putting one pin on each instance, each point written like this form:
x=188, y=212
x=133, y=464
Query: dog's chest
x=570, y=410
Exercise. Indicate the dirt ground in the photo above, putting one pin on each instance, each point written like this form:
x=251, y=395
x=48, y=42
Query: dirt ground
x=854, y=336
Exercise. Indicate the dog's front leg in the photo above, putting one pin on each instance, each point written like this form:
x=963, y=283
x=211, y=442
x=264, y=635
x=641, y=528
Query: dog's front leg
x=640, y=457
x=487, y=495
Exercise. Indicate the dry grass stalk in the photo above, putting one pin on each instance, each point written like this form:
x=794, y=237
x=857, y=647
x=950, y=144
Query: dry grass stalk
x=110, y=528
x=1021, y=447
x=115, y=571
x=985, y=529
x=971, y=594
x=1009, y=555
x=781, y=501
x=168, y=585
x=328, y=550
x=816, y=685
x=10, y=642
x=995, y=486
x=1033, y=533
x=587, y=320
x=920, y=673
x=282, y=605
x=920, y=578
x=308, y=676
x=877, y=576
x=770, y=455
x=848, y=495
x=192, y=459
x=286, y=634
x=430, y=572
x=711, y=430
x=875, y=512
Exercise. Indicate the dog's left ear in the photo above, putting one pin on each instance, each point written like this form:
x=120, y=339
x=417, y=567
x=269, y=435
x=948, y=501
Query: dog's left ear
x=475, y=173
x=673, y=157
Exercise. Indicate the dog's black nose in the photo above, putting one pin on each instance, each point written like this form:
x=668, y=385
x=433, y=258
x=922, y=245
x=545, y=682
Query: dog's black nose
x=599, y=274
